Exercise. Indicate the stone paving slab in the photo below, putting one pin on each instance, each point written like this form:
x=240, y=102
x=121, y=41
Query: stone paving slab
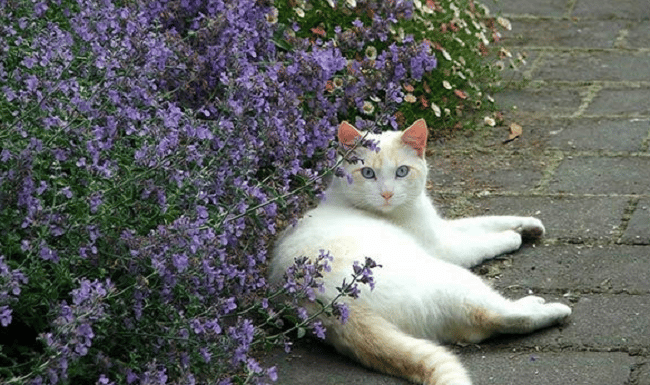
x=546, y=100
x=604, y=175
x=311, y=362
x=610, y=322
x=599, y=134
x=623, y=9
x=542, y=368
x=545, y=8
x=638, y=35
x=629, y=101
x=579, y=268
x=598, y=218
x=603, y=65
x=563, y=33
x=638, y=228
x=478, y=172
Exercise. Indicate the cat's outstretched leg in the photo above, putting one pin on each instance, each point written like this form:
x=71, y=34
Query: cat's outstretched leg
x=467, y=250
x=503, y=316
x=469, y=241
x=379, y=344
x=528, y=227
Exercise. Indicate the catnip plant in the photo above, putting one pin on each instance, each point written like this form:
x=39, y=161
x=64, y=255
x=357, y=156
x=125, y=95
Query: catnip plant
x=150, y=151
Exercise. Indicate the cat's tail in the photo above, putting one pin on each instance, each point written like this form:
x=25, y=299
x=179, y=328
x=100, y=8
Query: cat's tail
x=379, y=344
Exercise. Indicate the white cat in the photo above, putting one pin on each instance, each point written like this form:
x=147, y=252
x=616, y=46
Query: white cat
x=424, y=295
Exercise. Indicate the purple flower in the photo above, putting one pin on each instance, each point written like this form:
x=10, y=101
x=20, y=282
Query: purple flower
x=5, y=315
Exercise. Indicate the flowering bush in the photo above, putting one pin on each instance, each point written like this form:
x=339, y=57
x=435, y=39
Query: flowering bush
x=151, y=149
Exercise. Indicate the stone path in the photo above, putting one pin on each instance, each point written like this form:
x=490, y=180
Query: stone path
x=582, y=165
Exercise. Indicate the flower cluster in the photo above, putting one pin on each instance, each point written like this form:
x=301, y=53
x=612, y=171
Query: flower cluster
x=149, y=152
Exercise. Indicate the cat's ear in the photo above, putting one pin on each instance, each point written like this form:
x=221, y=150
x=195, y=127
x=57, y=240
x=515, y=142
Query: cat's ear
x=416, y=136
x=348, y=134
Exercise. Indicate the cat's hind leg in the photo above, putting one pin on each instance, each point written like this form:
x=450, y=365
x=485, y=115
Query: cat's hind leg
x=379, y=344
x=503, y=316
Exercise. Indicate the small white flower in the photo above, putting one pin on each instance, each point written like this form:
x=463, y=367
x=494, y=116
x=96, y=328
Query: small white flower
x=436, y=109
x=272, y=17
x=351, y=3
x=410, y=98
x=489, y=121
x=371, y=53
x=446, y=84
x=446, y=55
x=368, y=108
x=505, y=23
x=490, y=98
x=299, y=12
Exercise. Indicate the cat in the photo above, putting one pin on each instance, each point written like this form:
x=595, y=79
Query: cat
x=424, y=294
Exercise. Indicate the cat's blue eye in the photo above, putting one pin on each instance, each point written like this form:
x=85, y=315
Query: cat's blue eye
x=402, y=171
x=367, y=173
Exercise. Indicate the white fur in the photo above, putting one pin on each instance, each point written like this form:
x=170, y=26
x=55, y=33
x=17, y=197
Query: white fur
x=423, y=292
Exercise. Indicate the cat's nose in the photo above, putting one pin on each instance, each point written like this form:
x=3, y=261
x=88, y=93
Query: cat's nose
x=387, y=194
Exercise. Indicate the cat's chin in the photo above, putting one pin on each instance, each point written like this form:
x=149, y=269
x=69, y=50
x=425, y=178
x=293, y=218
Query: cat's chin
x=385, y=208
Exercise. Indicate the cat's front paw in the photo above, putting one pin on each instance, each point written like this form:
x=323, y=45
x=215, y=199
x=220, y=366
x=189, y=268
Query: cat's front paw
x=531, y=228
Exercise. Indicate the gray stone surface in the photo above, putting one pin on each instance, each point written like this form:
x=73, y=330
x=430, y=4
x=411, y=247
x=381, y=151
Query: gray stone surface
x=599, y=216
x=608, y=175
x=546, y=100
x=542, y=368
x=619, y=9
x=638, y=35
x=563, y=33
x=590, y=65
x=630, y=102
x=546, y=8
x=612, y=269
x=638, y=228
x=599, y=134
x=582, y=167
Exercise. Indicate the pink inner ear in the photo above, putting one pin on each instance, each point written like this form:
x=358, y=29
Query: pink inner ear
x=416, y=136
x=348, y=134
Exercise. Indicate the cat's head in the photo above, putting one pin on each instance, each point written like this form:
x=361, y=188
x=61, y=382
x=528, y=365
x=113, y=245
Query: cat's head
x=385, y=180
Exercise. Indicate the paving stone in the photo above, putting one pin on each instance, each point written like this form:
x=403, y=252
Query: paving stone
x=632, y=102
x=576, y=218
x=598, y=134
x=578, y=267
x=642, y=375
x=595, y=65
x=617, y=321
x=563, y=33
x=314, y=363
x=604, y=175
x=638, y=229
x=547, y=368
x=550, y=8
x=626, y=9
x=512, y=74
x=639, y=35
x=546, y=100
x=481, y=172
